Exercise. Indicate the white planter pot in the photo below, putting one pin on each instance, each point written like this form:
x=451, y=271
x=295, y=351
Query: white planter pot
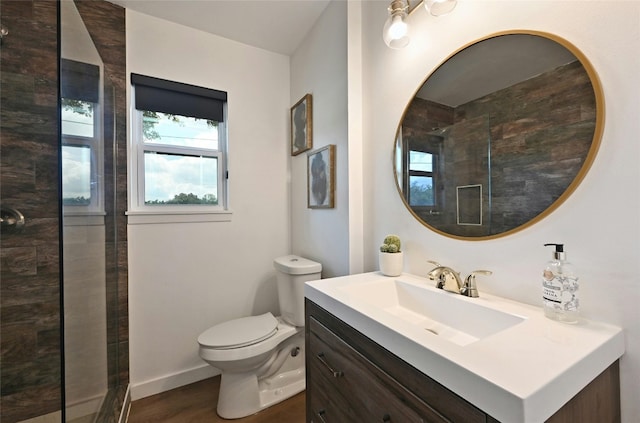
x=391, y=264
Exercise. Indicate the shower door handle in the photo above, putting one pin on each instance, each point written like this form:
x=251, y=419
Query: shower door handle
x=11, y=220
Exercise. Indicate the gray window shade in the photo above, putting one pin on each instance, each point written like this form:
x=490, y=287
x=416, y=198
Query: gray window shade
x=160, y=95
x=79, y=81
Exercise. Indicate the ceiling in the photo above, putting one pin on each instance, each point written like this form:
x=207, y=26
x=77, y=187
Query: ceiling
x=281, y=25
x=274, y=25
x=491, y=65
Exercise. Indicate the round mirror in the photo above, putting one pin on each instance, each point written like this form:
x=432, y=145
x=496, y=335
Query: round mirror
x=499, y=135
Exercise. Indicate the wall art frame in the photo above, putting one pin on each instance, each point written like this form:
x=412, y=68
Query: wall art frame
x=302, y=125
x=321, y=172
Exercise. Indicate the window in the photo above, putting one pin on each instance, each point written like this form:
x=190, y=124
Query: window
x=180, y=144
x=420, y=175
x=421, y=178
x=82, y=143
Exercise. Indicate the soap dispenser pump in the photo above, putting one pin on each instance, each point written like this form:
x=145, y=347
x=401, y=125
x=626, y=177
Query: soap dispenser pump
x=560, y=288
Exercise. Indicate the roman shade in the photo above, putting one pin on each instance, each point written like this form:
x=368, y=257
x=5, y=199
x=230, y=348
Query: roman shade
x=159, y=95
x=79, y=81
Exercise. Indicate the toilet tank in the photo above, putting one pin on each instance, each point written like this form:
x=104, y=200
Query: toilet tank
x=293, y=272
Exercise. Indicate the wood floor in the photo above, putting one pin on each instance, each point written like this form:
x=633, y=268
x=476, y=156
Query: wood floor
x=196, y=403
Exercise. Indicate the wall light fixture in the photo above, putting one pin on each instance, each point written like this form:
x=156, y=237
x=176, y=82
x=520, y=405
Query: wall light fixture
x=396, y=30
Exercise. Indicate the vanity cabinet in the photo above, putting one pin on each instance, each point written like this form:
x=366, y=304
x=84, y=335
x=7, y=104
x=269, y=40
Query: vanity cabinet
x=350, y=378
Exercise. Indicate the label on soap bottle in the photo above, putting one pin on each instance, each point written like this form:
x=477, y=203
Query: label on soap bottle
x=570, y=301
x=559, y=296
x=551, y=288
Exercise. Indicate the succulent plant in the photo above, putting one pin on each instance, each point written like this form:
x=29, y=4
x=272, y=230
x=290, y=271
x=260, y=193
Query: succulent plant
x=391, y=244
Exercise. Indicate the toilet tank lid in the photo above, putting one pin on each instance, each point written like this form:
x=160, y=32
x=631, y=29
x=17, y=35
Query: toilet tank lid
x=296, y=265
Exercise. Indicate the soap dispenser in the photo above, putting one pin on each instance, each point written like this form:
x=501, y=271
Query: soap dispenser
x=560, y=288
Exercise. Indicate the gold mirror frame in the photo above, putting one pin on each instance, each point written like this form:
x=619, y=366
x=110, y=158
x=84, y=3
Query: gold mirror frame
x=586, y=165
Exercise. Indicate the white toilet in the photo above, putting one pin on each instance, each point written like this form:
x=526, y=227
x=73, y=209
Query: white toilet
x=261, y=358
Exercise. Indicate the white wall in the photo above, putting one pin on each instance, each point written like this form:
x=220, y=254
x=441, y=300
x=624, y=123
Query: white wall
x=184, y=278
x=599, y=223
x=178, y=287
x=319, y=67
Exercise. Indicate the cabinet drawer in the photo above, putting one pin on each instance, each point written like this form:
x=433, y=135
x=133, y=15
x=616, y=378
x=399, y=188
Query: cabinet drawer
x=358, y=387
x=324, y=404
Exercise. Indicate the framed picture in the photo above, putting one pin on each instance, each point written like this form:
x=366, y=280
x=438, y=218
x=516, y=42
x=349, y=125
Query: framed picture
x=302, y=126
x=321, y=172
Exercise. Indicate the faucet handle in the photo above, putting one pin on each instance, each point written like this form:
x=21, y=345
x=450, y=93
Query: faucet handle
x=470, y=289
x=481, y=272
x=434, y=262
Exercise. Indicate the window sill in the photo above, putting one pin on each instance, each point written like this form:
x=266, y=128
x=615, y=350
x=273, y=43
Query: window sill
x=158, y=217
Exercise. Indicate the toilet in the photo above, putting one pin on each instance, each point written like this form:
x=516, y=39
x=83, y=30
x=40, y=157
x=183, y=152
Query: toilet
x=261, y=358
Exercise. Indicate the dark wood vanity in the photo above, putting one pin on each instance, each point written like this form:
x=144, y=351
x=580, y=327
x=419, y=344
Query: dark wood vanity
x=350, y=378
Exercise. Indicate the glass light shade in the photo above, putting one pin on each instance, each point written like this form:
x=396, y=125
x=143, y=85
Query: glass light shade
x=440, y=7
x=396, y=31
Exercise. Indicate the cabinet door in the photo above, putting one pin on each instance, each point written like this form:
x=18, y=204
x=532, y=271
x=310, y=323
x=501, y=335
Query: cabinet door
x=359, y=390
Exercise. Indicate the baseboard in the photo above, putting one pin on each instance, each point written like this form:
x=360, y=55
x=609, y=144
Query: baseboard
x=126, y=406
x=172, y=381
x=84, y=407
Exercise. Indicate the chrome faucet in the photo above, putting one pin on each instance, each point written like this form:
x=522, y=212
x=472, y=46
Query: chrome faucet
x=445, y=278
x=448, y=279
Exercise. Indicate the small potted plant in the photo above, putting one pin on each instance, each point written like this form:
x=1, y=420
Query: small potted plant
x=391, y=258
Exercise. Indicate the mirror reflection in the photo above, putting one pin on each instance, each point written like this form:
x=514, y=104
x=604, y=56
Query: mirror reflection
x=499, y=135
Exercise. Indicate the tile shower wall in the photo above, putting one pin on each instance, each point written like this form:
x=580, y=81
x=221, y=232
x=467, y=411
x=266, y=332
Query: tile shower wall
x=30, y=370
x=532, y=150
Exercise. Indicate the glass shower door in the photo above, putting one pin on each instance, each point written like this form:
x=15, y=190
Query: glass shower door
x=90, y=294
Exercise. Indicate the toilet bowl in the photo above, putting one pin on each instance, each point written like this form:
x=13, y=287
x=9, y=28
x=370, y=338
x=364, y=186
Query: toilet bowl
x=261, y=358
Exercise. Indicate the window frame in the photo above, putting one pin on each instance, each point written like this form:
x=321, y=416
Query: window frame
x=139, y=212
x=96, y=174
x=423, y=173
x=435, y=174
x=218, y=154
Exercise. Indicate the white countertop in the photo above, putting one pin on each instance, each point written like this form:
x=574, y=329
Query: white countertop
x=524, y=373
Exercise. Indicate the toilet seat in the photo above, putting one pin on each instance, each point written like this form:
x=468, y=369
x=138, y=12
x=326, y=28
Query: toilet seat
x=264, y=346
x=240, y=332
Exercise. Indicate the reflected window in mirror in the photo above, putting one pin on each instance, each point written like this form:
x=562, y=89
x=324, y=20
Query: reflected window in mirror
x=421, y=178
x=421, y=157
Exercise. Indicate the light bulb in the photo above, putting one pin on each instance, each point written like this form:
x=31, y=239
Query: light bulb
x=440, y=7
x=398, y=28
x=396, y=31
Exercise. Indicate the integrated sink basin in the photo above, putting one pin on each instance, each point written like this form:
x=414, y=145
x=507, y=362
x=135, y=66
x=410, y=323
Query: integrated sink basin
x=502, y=356
x=449, y=316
